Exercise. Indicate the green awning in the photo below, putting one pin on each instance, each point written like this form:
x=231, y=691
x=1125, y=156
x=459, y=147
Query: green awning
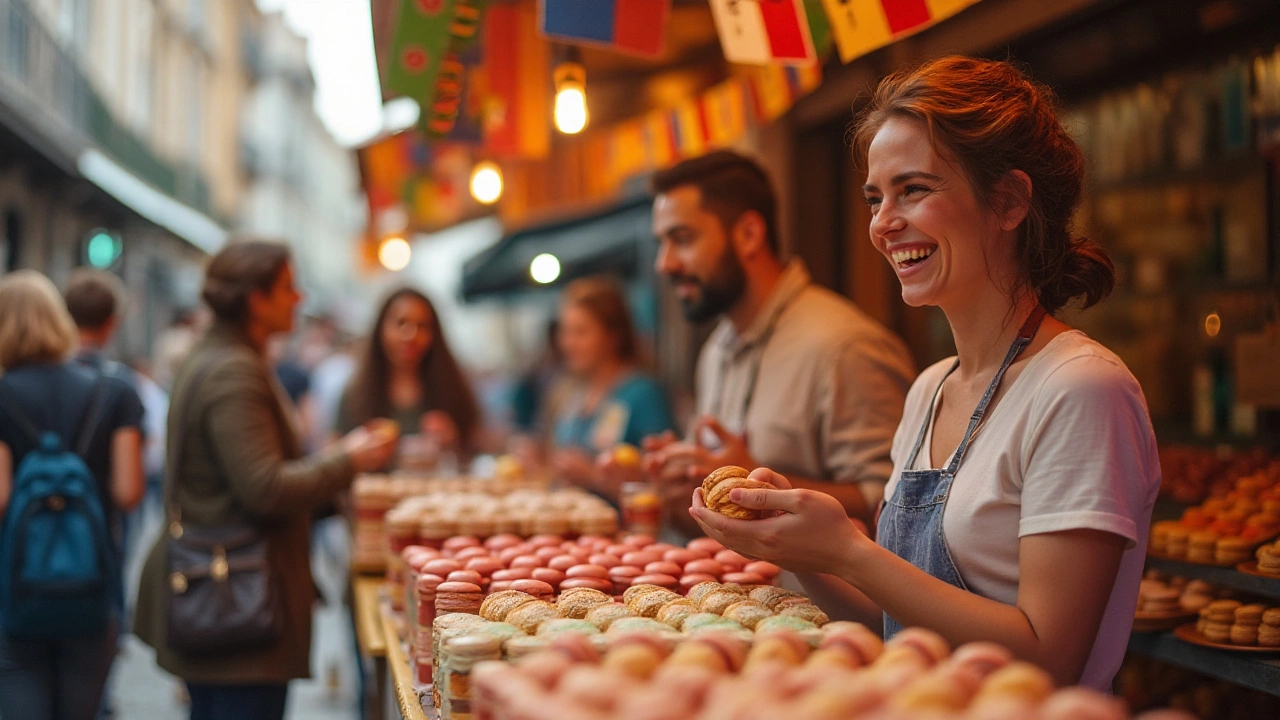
x=616, y=241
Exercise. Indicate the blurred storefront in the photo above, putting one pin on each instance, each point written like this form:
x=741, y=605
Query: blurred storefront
x=1174, y=103
x=135, y=135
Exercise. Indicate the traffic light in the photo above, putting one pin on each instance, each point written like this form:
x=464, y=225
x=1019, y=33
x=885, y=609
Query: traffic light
x=102, y=248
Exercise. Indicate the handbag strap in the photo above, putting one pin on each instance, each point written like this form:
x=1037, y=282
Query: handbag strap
x=178, y=410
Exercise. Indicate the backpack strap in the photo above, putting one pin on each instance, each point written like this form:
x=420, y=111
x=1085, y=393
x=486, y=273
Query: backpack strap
x=12, y=405
x=92, y=416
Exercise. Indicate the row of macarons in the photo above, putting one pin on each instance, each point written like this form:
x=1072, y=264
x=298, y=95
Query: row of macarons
x=508, y=562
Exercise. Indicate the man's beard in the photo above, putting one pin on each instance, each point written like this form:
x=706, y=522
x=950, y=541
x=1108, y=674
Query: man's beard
x=719, y=293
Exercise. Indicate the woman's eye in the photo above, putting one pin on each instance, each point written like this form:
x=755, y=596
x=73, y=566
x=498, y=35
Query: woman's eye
x=872, y=202
x=913, y=189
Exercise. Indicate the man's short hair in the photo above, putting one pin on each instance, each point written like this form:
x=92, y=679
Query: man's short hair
x=730, y=184
x=93, y=297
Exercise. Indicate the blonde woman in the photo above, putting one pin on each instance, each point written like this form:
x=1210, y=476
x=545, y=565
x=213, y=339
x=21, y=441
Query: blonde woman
x=42, y=390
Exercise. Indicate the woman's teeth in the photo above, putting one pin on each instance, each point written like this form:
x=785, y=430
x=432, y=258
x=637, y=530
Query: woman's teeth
x=910, y=257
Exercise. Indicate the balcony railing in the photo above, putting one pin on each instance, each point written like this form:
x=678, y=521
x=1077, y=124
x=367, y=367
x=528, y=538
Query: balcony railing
x=51, y=79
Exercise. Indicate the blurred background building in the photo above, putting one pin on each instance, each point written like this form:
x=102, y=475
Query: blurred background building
x=137, y=134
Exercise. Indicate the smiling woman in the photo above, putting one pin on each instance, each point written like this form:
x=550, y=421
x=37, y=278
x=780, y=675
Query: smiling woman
x=1025, y=468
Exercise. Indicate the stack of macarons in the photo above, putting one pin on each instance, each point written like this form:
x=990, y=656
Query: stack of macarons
x=1160, y=594
x=1230, y=622
x=1269, y=558
x=1269, y=630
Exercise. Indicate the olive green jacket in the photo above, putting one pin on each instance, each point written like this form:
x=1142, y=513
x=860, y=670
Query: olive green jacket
x=241, y=462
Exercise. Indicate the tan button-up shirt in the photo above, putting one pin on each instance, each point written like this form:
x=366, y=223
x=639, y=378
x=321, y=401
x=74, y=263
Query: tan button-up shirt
x=816, y=384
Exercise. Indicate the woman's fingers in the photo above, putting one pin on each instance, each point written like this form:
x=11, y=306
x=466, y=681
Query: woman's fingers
x=762, y=499
x=765, y=475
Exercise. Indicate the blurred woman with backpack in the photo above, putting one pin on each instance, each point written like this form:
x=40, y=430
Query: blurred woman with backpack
x=70, y=460
x=226, y=594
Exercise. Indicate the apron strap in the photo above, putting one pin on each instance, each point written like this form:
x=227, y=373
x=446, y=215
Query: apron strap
x=1025, y=335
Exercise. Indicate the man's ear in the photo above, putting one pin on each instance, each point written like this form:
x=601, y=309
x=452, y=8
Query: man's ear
x=1014, y=199
x=750, y=236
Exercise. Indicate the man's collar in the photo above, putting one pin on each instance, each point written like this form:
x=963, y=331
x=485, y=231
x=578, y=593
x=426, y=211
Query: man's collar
x=795, y=277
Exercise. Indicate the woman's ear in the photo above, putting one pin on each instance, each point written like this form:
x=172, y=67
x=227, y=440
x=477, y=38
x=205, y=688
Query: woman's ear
x=1015, y=199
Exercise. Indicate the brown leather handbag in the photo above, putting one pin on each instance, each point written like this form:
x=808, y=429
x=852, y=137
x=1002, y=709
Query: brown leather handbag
x=223, y=594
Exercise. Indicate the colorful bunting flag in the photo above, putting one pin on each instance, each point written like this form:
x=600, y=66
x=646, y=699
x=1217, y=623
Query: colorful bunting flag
x=860, y=26
x=517, y=115
x=418, y=50
x=659, y=140
x=725, y=108
x=759, y=32
x=635, y=27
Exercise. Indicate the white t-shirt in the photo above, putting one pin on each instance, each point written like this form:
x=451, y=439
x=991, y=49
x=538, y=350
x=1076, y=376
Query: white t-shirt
x=1069, y=446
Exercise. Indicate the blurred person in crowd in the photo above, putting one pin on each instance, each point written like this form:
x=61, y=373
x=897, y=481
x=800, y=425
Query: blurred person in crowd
x=242, y=465
x=155, y=404
x=614, y=401
x=98, y=416
x=534, y=396
x=94, y=298
x=406, y=372
x=794, y=376
x=173, y=343
x=328, y=381
x=535, y=400
x=318, y=341
x=293, y=376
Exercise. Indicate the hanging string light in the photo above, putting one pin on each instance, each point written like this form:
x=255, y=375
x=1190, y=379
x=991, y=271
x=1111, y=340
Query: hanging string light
x=571, y=93
x=486, y=182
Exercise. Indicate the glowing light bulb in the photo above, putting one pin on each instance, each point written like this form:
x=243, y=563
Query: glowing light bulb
x=486, y=183
x=545, y=268
x=571, y=110
x=394, y=253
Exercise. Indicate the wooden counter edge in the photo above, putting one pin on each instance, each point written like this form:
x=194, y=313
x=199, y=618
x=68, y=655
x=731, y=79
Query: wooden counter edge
x=366, y=594
x=401, y=672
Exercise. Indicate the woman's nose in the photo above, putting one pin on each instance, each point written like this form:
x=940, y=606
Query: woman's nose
x=887, y=220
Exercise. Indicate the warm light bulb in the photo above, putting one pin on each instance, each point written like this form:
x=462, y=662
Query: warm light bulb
x=571, y=109
x=545, y=268
x=1212, y=324
x=394, y=253
x=486, y=183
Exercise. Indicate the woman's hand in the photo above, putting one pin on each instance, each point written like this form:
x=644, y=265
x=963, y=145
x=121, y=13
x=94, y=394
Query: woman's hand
x=369, y=450
x=439, y=425
x=807, y=532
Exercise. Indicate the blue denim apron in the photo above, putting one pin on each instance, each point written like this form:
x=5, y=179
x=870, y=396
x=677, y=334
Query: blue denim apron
x=911, y=521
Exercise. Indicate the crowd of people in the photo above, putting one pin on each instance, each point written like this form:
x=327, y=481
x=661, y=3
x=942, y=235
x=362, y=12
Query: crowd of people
x=1003, y=494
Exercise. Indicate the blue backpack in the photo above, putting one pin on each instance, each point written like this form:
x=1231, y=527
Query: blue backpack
x=56, y=563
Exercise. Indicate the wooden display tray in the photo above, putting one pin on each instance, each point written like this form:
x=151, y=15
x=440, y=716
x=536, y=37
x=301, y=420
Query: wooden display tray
x=366, y=602
x=1159, y=622
x=1188, y=633
x=401, y=674
x=1251, y=568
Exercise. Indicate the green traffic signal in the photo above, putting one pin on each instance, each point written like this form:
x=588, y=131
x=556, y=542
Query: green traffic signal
x=103, y=249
